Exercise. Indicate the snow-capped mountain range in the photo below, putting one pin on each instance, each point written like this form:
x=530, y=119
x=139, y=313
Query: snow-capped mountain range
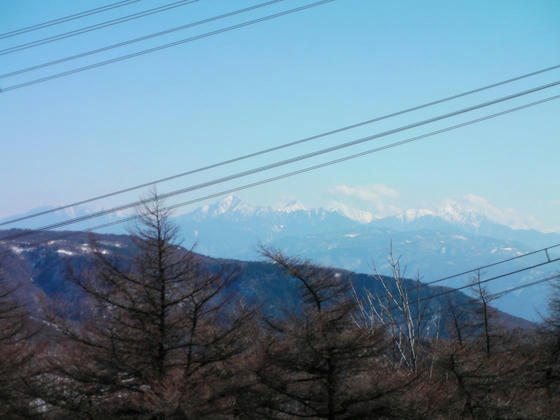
x=436, y=243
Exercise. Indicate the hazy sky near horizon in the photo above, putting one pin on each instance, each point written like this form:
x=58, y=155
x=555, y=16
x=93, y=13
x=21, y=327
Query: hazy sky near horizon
x=279, y=81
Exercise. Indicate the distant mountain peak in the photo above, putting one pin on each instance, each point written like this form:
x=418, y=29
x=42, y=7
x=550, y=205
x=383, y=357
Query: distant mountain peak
x=291, y=206
x=451, y=212
x=360, y=216
x=454, y=212
x=232, y=204
x=412, y=214
x=226, y=204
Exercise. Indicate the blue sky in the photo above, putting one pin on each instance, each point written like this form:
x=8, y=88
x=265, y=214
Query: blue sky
x=279, y=81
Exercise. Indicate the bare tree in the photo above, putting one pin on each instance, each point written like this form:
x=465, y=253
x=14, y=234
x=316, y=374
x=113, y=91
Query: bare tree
x=484, y=313
x=402, y=310
x=484, y=371
x=456, y=321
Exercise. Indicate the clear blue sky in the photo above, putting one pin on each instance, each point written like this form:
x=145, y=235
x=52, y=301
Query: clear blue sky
x=282, y=80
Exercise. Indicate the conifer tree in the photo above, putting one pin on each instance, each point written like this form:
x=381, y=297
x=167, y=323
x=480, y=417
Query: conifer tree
x=160, y=335
x=315, y=361
x=16, y=349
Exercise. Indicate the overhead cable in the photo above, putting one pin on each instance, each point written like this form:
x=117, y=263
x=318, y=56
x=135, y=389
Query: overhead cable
x=66, y=18
x=523, y=286
x=485, y=281
x=424, y=314
x=97, y=26
x=421, y=315
x=267, y=180
x=293, y=143
x=311, y=154
x=162, y=47
x=483, y=267
x=140, y=39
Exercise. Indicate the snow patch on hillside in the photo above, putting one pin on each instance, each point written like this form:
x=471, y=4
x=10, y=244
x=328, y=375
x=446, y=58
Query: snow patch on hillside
x=64, y=252
x=17, y=250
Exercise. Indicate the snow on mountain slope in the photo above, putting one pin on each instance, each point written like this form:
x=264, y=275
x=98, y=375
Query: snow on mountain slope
x=292, y=206
x=356, y=215
x=437, y=243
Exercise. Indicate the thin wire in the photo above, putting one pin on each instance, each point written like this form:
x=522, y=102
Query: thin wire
x=456, y=289
x=422, y=315
x=485, y=266
x=272, y=179
x=304, y=156
x=95, y=27
x=523, y=286
x=261, y=152
x=142, y=38
x=494, y=296
x=162, y=47
x=66, y=18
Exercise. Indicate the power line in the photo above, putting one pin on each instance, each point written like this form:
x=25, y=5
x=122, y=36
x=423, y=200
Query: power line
x=545, y=250
x=261, y=152
x=272, y=179
x=456, y=289
x=162, y=47
x=316, y=153
x=493, y=296
x=422, y=315
x=142, y=38
x=364, y=153
x=66, y=18
x=523, y=286
x=97, y=26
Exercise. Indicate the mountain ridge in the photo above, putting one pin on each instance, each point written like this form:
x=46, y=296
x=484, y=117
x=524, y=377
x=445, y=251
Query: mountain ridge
x=433, y=245
x=40, y=266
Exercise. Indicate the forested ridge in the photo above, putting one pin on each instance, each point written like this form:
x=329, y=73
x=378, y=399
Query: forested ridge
x=160, y=332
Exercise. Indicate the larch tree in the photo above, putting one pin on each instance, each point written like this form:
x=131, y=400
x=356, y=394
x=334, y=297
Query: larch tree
x=160, y=335
x=16, y=349
x=549, y=360
x=315, y=362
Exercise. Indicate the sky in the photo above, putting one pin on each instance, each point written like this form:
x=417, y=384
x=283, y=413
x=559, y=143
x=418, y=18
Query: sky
x=282, y=80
